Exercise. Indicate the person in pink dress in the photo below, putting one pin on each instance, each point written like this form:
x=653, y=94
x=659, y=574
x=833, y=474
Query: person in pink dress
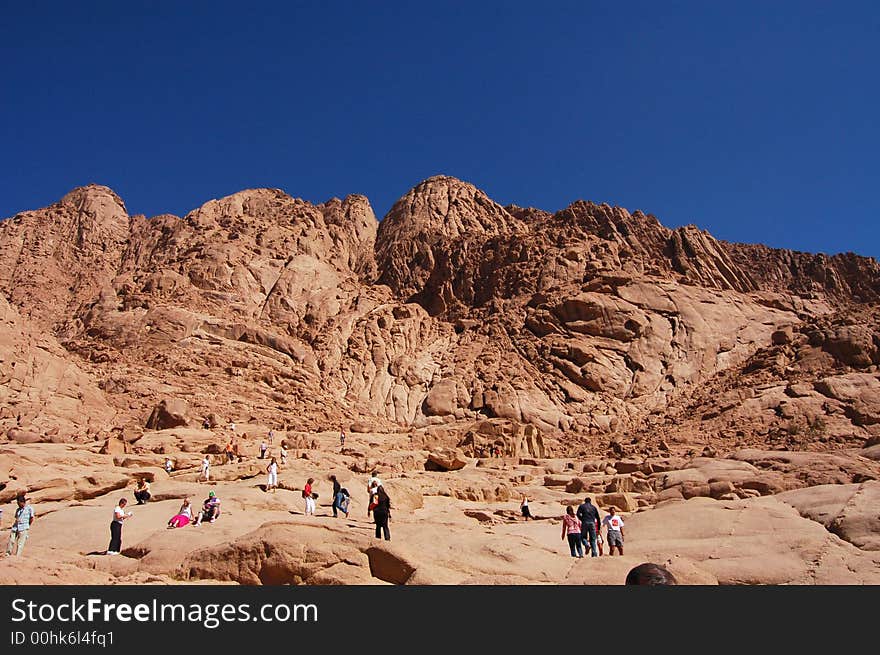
x=183, y=517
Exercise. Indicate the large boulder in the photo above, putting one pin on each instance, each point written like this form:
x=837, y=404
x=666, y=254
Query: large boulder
x=446, y=460
x=169, y=413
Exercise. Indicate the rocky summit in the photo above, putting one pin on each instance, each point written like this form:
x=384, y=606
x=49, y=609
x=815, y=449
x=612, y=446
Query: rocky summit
x=723, y=397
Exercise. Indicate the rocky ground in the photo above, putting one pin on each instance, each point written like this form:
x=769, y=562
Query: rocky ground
x=748, y=517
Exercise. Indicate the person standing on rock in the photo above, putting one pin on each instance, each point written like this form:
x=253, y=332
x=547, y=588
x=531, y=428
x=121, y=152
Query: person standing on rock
x=283, y=454
x=271, y=435
x=229, y=456
x=119, y=515
x=589, y=517
x=21, y=525
x=382, y=513
x=614, y=524
x=272, y=470
x=571, y=528
x=206, y=468
x=263, y=449
x=372, y=484
x=524, y=508
x=342, y=438
x=309, y=497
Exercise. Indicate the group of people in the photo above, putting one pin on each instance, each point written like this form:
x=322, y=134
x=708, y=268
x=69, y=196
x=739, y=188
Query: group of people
x=378, y=503
x=582, y=528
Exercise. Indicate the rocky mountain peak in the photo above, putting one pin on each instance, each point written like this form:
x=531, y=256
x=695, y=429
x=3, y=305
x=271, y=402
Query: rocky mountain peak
x=95, y=198
x=440, y=210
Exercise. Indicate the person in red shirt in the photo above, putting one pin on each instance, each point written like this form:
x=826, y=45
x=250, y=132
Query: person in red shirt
x=307, y=495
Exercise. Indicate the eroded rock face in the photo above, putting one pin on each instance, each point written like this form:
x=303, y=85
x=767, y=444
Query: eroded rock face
x=42, y=390
x=586, y=324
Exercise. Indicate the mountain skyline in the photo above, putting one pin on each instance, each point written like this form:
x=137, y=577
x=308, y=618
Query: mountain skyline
x=754, y=121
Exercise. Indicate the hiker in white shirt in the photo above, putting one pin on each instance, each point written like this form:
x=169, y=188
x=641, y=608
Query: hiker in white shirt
x=614, y=524
x=119, y=515
x=206, y=468
x=272, y=470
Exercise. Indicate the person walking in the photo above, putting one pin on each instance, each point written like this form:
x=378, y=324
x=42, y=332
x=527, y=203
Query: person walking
x=339, y=498
x=382, y=513
x=309, y=497
x=142, y=492
x=229, y=455
x=283, y=454
x=571, y=528
x=272, y=470
x=263, y=449
x=589, y=517
x=206, y=468
x=342, y=438
x=21, y=525
x=614, y=524
x=271, y=436
x=119, y=515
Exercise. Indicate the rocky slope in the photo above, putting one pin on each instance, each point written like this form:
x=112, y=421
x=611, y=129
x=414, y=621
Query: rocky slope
x=583, y=323
x=668, y=373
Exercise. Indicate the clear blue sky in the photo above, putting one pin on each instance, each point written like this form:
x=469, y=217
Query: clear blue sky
x=759, y=121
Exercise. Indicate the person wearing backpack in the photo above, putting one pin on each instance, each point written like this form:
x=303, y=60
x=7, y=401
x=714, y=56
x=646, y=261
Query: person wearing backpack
x=338, y=498
x=382, y=513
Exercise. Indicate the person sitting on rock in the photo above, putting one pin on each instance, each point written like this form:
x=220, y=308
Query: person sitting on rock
x=183, y=517
x=210, y=509
x=142, y=493
x=169, y=465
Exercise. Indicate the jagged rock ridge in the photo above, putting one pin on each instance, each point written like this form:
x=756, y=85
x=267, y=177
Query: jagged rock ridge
x=585, y=323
